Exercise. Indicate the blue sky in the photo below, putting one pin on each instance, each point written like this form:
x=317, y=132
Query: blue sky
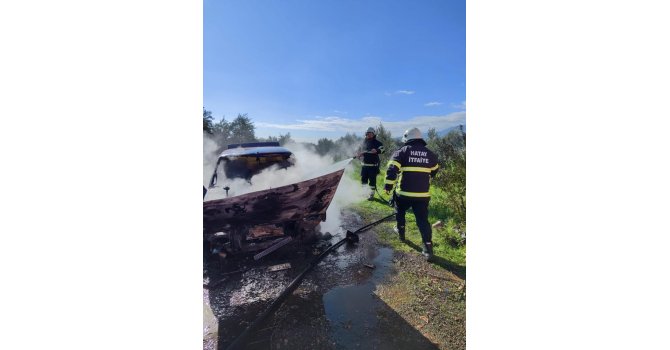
x=321, y=68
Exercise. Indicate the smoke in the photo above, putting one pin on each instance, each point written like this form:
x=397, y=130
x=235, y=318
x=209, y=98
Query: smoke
x=308, y=165
x=209, y=157
x=344, y=149
x=348, y=192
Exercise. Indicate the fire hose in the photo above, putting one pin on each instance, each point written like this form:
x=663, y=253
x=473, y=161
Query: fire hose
x=351, y=237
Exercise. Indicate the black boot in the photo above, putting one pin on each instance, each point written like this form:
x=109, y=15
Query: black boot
x=401, y=232
x=428, y=250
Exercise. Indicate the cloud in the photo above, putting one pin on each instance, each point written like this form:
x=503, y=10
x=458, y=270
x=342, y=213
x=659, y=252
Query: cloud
x=459, y=105
x=432, y=104
x=339, y=124
x=320, y=123
x=400, y=92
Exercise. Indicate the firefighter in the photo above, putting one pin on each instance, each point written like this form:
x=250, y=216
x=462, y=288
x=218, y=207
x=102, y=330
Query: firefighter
x=412, y=166
x=370, y=151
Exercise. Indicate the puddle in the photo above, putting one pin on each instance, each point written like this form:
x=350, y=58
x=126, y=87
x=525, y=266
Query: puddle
x=352, y=311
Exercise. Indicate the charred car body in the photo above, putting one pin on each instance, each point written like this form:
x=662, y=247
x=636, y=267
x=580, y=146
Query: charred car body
x=268, y=219
x=248, y=159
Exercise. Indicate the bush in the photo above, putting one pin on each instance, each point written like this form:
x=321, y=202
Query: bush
x=450, y=151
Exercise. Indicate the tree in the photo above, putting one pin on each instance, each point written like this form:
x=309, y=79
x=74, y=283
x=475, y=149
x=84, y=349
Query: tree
x=349, y=140
x=450, y=151
x=324, y=146
x=346, y=146
x=242, y=129
x=221, y=130
x=390, y=145
x=456, y=137
x=282, y=139
x=285, y=139
x=207, y=121
x=432, y=142
x=432, y=135
x=268, y=139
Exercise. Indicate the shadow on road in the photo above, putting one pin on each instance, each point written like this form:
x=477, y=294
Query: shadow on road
x=457, y=270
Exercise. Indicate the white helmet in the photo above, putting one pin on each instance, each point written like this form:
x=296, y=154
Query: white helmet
x=411, y=134
x=370, y=129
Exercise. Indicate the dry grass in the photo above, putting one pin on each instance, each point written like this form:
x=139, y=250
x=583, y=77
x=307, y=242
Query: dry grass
x=429, y=298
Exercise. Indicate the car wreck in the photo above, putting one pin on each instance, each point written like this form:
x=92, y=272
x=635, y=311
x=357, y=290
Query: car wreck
x=245, y=160
x=263, y=221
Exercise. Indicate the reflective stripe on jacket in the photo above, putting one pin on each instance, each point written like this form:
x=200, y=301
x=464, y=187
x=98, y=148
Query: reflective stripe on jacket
x=411, y=166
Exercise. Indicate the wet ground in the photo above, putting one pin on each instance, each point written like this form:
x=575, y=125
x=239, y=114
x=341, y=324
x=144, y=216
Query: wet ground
x=335, y=306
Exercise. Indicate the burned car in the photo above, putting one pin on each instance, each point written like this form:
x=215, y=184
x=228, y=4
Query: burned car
x=265, y=220
x=245, y=160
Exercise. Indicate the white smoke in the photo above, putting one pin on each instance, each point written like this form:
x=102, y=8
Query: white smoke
x=345, y=150
x=308, y=165
x=348, y=192
x=209, y=157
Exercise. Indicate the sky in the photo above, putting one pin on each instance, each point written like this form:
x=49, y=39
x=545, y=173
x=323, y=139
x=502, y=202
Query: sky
x=324, y=68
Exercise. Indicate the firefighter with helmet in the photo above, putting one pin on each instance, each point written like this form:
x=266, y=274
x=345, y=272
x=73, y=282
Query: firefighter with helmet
x=410, y=170
x=369, y=155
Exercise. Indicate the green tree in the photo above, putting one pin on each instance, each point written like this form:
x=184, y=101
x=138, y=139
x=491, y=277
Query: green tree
x=450, y=151
x=282, y=139
x=242, y=130
x=390, y=145
x=349, y=140
x=456, y=137
x=207, y=121
x=268, y=139
x=285, y=139
x=432, y=141
x=324, y=146
x=346, y=146
x=221, y=130
x=432, y=135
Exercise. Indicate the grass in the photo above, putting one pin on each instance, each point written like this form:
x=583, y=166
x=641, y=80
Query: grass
x=433, y=306
x=448, y=245
x=429, y=296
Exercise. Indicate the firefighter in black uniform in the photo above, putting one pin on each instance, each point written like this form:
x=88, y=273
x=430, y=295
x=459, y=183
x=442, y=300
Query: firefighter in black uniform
x=411, y=167
x=370, y=151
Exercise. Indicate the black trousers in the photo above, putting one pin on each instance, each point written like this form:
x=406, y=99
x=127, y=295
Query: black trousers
x=369, y=175
x=420, y=208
